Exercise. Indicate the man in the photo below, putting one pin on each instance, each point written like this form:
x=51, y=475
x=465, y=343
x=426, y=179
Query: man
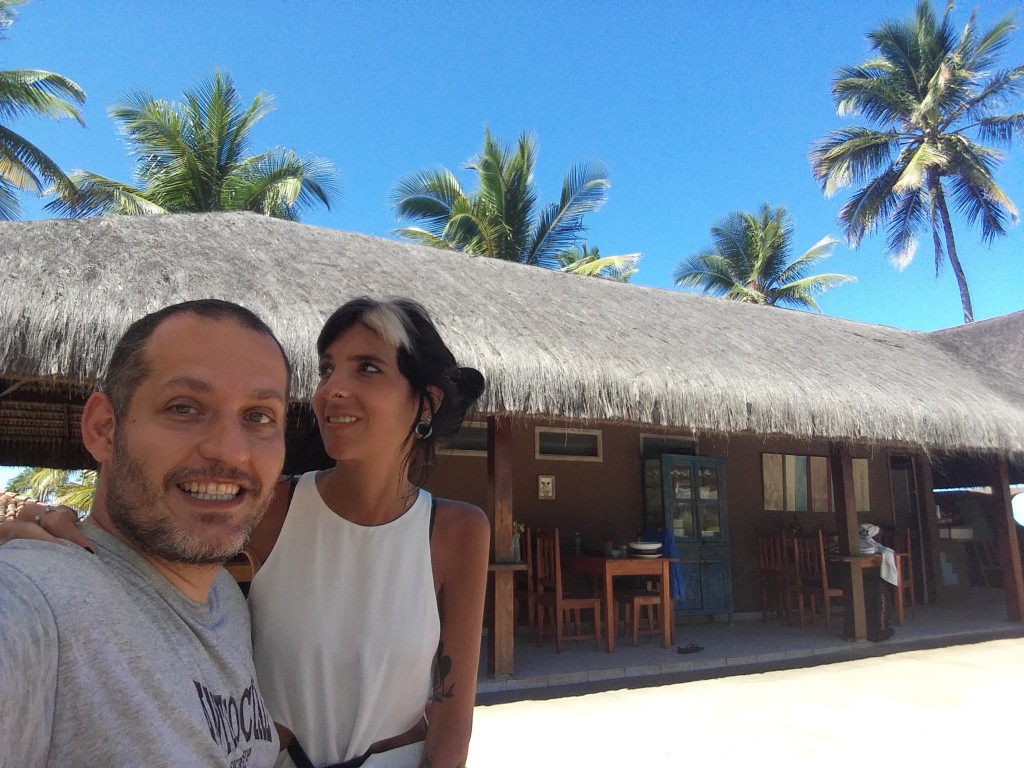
x=140, y=653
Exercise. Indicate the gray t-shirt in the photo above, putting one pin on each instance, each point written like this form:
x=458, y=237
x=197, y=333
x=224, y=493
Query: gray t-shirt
x=104, y=663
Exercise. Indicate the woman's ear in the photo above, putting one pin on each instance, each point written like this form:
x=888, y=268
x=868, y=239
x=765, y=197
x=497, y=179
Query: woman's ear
x=98, y=426
x=432, y=403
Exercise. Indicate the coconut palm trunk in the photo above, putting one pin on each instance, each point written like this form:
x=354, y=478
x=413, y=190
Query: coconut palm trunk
x=951, y=254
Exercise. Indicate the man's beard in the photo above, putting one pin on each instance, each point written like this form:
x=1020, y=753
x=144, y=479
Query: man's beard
x=133, y=506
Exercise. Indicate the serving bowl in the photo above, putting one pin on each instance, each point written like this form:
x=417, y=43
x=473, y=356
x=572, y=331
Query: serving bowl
x=645, y=547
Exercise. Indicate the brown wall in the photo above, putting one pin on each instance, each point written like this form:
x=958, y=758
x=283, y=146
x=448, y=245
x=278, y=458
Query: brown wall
x=600, y=499
x=747, y=516
x=460, y=477
x=604, y=499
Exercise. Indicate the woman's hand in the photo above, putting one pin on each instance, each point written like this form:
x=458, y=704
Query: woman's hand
x=22, y=517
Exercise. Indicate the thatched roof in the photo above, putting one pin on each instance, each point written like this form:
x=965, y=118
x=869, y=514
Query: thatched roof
x=549, y=343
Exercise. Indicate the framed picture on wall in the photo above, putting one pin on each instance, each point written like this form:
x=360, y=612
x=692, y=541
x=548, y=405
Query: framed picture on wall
x=545, y=486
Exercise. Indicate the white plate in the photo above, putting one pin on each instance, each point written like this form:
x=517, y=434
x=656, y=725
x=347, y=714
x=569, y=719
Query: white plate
x=644, y=546
x=646, y=557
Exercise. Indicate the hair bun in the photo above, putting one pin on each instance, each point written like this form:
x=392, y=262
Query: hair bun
x=470, y=383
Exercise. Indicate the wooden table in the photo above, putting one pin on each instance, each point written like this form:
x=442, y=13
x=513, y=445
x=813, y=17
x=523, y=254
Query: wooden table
x=605, y=569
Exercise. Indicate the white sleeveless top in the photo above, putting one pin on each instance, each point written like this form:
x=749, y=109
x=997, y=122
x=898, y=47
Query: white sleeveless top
x=345, y=626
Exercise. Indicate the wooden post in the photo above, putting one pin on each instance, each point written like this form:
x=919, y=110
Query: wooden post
x=931, y=568
x=854, y=612
x=501, y=630
x=1006, y=539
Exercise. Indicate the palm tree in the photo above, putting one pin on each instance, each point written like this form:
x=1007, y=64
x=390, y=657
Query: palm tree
x=749, y=260
x=23, y=166
x=192, y=157
x=74, y=488
x=584, y=260
x=501, y=218
x=927, y=91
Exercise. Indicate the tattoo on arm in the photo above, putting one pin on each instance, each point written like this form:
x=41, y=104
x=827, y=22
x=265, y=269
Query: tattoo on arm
x=442, y=668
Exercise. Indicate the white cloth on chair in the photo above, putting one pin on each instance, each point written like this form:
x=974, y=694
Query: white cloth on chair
x=868, y=546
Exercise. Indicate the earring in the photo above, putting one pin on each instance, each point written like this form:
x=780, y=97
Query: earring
x=423, y=429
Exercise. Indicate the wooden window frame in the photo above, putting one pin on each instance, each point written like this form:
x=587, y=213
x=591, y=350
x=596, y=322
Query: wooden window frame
x=463, y=451
x=567, y=457
x=861, y=496
x=691, y=441
x=861, y=477
x=860, y=474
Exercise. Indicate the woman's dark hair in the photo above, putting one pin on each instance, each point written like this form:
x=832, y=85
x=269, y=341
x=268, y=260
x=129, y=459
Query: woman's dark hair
x=425, y=361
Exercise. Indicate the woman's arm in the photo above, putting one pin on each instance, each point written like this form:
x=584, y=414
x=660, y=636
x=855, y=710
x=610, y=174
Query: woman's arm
x=460, y=548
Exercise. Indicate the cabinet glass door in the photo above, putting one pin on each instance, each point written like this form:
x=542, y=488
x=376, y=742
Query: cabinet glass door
x=709, y=503
x=680, y=483
x=710, y=522
x=682, y=521
x=707, y=478
x=680, y=486
x=654, y=514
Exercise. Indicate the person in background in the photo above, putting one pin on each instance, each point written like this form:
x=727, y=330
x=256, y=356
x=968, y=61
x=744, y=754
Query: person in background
x=138, y=653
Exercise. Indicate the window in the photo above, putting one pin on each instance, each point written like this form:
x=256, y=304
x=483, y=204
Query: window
x=655, y=445
x=568, y=444
x=796, y=483
x=470, y=440
x=861, y=495
x=804, y=483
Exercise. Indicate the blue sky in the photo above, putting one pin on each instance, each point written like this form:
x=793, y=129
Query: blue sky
x=697, y=108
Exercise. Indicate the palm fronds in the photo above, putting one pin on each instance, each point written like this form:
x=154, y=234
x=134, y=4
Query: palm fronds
x=500, y=218
x=75, y=488
x=749, y=260
x=192, y=156
x=929, y=91
x=31, y=93
x=586, y=260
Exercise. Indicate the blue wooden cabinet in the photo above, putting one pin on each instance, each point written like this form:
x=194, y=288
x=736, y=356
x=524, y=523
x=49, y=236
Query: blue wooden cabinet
x=686, y=494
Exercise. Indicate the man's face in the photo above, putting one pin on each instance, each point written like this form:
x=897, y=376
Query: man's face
x=193, y=461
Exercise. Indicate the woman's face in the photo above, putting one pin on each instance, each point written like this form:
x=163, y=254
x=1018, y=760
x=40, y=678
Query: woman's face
x=364, y=405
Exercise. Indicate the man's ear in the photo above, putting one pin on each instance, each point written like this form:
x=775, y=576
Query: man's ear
x=436, y=397
x=98, y=425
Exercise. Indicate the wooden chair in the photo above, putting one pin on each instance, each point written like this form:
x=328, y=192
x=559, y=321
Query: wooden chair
x=812, y=572
x=243, y=567
x=565, y=610
x=526, y=582
x=986, y=561
x=903, y=550
x=776, y=574
x=632, y=601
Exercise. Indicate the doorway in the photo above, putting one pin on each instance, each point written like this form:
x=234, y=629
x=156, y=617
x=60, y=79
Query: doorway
x=906, y=513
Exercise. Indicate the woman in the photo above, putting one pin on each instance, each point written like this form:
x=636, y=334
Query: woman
x=369, y=602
